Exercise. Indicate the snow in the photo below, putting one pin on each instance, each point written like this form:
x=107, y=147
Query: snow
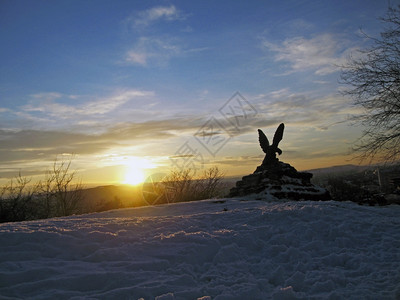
x=225, y=249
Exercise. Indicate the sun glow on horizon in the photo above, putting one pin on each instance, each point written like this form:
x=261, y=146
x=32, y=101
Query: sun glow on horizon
x=135, y=170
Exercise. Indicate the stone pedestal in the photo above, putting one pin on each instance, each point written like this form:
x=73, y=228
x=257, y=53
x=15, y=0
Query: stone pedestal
x=279, y=180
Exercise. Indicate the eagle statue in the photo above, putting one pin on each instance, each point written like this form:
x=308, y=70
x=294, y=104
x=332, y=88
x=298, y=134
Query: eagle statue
x=271, y=150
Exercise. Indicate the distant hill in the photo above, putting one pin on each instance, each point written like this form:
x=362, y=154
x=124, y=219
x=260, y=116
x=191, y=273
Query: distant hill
x=103, y=198
x=112, y=196
x=338, y=169
x=118, y=196
x=108, y=197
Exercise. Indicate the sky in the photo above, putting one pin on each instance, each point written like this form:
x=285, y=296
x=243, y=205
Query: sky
x=123, y=86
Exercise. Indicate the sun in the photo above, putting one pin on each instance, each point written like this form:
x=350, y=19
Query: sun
x=135, y=170
x=133, y=176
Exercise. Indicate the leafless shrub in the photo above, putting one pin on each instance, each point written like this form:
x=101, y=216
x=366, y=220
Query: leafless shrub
x=182, y=185
x=67, y=194
x=57, y=195
x=16, y=200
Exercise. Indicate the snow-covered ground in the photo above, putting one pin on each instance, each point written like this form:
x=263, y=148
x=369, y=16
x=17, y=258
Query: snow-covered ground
x=208, y=250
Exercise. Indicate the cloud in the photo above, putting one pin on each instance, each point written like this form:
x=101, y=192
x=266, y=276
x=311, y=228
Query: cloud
x=27, y=145
x=155, y=51
x=46, y=104
x=304, y=109
x=158, y=51
x=243, y=160
x=137, y=57
x=109, y=104
x=157, y=48
x=158, y=13
x=322, y=53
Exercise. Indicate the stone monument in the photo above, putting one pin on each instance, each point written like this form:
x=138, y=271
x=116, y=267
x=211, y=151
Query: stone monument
x=274, y=180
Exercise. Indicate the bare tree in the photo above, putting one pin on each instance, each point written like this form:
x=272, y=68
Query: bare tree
x=210, y=183
x=16, y=200
x=46, y=195
x=182, y=185
x=67, y=194
x=178, y=185
x=59, y=194
x=374, y=80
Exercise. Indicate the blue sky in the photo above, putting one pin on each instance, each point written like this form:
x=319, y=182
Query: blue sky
x=132, y=81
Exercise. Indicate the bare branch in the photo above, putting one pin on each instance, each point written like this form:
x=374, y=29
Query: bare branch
x=374, y=81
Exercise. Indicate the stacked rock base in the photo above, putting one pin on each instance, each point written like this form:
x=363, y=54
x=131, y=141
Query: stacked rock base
x=279, y=181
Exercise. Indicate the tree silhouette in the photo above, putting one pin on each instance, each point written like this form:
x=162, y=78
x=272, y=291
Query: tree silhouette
x=374, y=79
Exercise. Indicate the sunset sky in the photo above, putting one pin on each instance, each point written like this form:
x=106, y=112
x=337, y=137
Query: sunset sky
x=155, y=85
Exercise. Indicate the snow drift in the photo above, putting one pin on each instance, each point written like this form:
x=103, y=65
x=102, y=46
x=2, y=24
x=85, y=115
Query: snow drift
x=227, y=249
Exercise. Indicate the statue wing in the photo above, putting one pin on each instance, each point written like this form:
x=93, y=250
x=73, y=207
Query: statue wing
x=278, y=135
x=262, y=138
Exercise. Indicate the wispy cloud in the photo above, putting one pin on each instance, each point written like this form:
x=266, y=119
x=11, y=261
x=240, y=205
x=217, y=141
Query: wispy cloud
x=322, y=53
x=137, y=56
x=159, y=13
x=157, y=51
x=103, y=106
x=46, y=103
x=305, y=108
x=83, y=113
x=43, y=145
x=152, y=46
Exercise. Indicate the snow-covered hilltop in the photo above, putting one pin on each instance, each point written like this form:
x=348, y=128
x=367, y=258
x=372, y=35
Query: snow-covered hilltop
x=225, y=249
